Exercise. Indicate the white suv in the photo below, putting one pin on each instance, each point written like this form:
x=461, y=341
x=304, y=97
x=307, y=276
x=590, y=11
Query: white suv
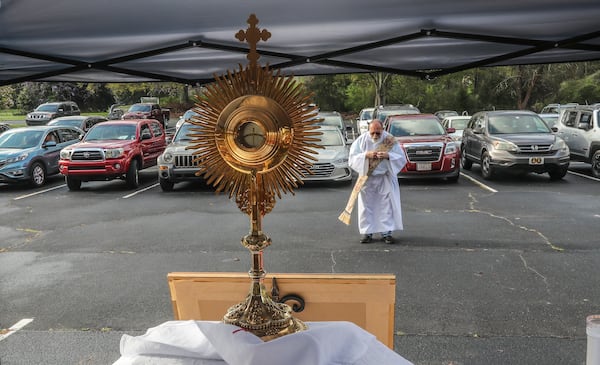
x=364, y=118
x=578, y=127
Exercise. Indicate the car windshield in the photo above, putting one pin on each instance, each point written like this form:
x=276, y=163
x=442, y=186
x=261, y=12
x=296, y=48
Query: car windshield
x=111, y=131
x=47, y=108
x=383, y=114
x=458, y=123
x=366, y=115
x=140, y=108
x=188, y=114
x=182, y=133
x=508, y=124
x=332, y=120
x=330, y=138
x=21, y=139
x=416, y=127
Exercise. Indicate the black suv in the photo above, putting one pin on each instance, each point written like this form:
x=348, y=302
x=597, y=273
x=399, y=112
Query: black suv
x=513, y=141
x=48, y=111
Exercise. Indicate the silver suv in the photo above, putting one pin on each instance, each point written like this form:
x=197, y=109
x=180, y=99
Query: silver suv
x=513, y=141
x=578, y=127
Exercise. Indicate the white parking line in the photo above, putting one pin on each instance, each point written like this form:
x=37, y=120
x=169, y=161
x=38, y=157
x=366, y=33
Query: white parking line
x=582, y=175
x=140, y=191
x=40, y=192
x=477, y=182
x=17, y=326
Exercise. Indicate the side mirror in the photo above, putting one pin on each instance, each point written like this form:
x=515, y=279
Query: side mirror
x=554, y=129
x=50, y=144
x=146, y=135
x=450, y=130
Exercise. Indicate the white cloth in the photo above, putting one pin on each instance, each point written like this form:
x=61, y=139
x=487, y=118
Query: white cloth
x=379, y=208
x=216, y=343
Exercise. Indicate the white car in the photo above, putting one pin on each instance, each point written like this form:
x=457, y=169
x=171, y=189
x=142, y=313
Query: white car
x=364, y=118
x=459, y=123
x=332, y=163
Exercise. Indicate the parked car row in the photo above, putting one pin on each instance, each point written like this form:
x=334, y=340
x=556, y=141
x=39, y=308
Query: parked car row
x=512, y=141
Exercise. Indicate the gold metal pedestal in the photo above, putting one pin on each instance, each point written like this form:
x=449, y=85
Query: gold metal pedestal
x=259, y=314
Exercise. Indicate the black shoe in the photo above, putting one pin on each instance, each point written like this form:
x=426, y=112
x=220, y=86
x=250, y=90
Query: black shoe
x=388, y=239
x=366, y=239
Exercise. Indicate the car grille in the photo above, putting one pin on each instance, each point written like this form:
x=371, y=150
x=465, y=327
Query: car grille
x=534, y=148
x=423, y=153
x=322, y=169
x=186, y=161
x=87, y=155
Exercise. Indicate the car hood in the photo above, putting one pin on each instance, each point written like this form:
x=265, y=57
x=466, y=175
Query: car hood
x=421, y=139
x=179, y=147
x=102, y=144
x=11, y=152
x=331, y=153
x=521, y=138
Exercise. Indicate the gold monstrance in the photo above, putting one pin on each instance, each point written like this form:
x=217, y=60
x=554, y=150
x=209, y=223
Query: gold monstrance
x=254, y=137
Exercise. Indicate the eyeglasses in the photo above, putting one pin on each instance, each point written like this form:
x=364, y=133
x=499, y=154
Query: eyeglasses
x=375, y=133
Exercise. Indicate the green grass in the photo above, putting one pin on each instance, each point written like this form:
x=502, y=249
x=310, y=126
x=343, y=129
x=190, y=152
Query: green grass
x=10, y=114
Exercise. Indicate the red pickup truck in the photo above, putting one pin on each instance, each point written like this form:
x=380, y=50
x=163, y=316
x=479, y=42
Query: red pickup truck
x=113, y=150
x=148, y=111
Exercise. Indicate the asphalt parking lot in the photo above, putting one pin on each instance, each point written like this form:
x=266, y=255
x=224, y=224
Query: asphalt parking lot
x=501, y=272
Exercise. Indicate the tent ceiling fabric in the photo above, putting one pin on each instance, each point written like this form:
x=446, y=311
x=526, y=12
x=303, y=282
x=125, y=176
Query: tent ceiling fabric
x=189, y=41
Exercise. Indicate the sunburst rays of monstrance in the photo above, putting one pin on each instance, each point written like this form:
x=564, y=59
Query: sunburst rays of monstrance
x=254, y=138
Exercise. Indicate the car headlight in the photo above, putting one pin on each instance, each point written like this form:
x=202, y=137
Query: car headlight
x=18, y=158
x=113, y=153
x=561, y=145
x=451, y=148
x=65, y=154
x=167, y=157
x=505, y=146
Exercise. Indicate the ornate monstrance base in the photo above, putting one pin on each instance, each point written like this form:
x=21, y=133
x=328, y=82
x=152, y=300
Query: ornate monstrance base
x=262, y=316
x=259, y=314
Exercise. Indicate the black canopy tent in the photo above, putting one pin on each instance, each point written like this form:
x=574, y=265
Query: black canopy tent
x=189, y=41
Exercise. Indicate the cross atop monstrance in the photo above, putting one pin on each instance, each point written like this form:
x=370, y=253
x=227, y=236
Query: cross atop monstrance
x=253, y=35
x=255, y=137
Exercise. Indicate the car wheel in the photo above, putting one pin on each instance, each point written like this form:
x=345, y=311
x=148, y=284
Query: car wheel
x=596, y=164
x=465, y=163
x=38, y=175
x=487, y=170
x=558, y=173
x=72, y=183
x=166, y=185
x=133, y=175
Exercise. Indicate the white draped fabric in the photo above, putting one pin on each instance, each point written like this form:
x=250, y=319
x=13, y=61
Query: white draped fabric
x=379, y=208
x=216, y=343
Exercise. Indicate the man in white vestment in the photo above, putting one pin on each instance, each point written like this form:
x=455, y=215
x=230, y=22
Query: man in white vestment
x=379, y=156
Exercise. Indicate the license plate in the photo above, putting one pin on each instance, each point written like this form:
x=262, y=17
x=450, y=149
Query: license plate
x=423, y=166
x=536, y=160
